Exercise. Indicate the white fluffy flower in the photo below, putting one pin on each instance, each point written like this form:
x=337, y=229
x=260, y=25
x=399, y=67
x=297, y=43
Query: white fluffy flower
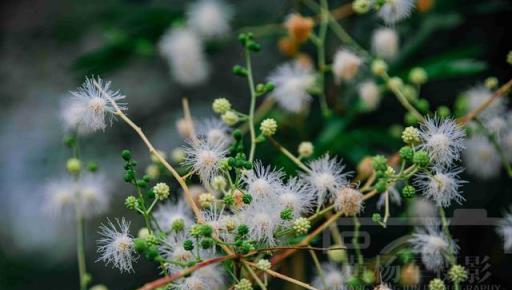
x=59, y=197
x=481, y=157
x=184, y=51
x=262, y=181
x=396, y=10
x=297, y=196
x=506, y=143
x=87, y=109
x=369, y=94
x=116, y=245
x=345, y=65
x=442, y=186
x=385, y=43
x=477, y=95
x=205, y=278
x=505, y=231
x=333, y=277
x=214, y=131
x=94, y=196
x=168, y=214
x=209, y=18
x=423, y=209
x=442, y=139
x=292, y=81
x=204, y=158
x=326, y=177
x=262, y=217
x=433, y=245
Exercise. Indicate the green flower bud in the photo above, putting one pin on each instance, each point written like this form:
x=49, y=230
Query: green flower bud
x=368, y=277
x=126, y=155
x=243, y=230
x=379, y=67
x=195, y=230
x=423, y=105
x=188, y=245
x=92, y=166
x=131, y=202
x=161, y=191
x=230, y=118
x=361, y=6
x=301, y=225
x=229, y=199
x=381, y=185
x=411, y=119
x=436, y=284
x=443, y=112
x=178, y=225
x=408, y=191
x=411, y=136
x=406, y=153
x=239, y=70
x=458, y=274
x=287, y=214
x=206, y=243
x=206, y=230
x=376, y=217
x=73, y=165
x=421, y=158
x=380, y=163
x=418, y=76
x=140, y=245
x=247, y=198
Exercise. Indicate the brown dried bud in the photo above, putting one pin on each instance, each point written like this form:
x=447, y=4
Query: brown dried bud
x=299, y=27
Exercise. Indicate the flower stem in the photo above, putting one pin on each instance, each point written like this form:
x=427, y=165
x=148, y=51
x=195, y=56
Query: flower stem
x=253, y=104
x=321, y=57
x=80, y=248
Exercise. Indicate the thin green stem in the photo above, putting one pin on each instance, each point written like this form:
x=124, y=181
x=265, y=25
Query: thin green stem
x=253, y=104
x=320, y=43
x=290, y=156
x=318, y=268
x=403, y=99
x=355, y=242
x=80, y=248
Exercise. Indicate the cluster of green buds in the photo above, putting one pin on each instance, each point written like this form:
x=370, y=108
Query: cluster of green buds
x=242, y=244
x=74, y=165
x=147, y=244
x=202, y=233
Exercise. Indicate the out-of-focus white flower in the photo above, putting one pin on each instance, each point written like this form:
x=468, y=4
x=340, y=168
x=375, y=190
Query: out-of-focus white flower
x=209, y=18
x=116, y=245
x=214, y=131
x=442, y=139
x=172, y=248
x=292, y=81
x=169, y=216
x=369, y=94
x=263, y=218
x=345, y=65
x=506, y=143
x=442, y=186
x=385, y=43
x=505, y=231
x=86, y=111
x=433, y=245
x=332, y=277
x=205, y=278
x=326, y=177
x=59, y=197
x=262, y=181
x=395, y=10
x=481, y=157
x=477, y=95
x=423, y=209
x=94, y=196
x=204, y=158
x=184, y=51
x=297, y=196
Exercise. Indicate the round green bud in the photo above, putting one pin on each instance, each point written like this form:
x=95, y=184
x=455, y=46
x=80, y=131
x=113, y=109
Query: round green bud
x=140, y=245
x=143, y=233
x=406, y=153
x=337, y=255
x=287, y=214
x=92, y=166
x=423, y=105
x=491, y=83
x=73, y=165
x=268, y=127
x=395, y=83
x=379, y=67
x=70, y=141
x=509, y=57
x=380, y=163
x=229, y=199
x=260, y=88
x=408, y=191
x=376, y=217
x=381, y=185
x=206, y=243
x=247, y=198
x=436, y=284
x=458, y=274
x=246, y=247
x=301, y=225
x=361, y=6
x=237, y=134
x=421, y=158
x=188, y=245
x=152, y=253
x=368, y=277
x=128, y=176
x=418, y=76
x=353, y=282
x=221, y=105
x=152, y=239
x=126, y=154
x=230, y=118
x=178, y=225
x=269, y=86
x=239, y=70
x=131, y=202
x=443, y=112
x=195, y=230
x=243, y=230
x=206, y=230
x=405, y=256
x=411, y=119
x=253, y=46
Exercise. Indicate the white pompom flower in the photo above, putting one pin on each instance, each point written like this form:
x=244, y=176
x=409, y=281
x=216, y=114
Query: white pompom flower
x=394, y=11
x=172, y=248
x=214, y=131
x=183, y=49
x=478, y=95
x=263, y=181
x=92, y=105
x=94, y=196
x=204, y=158
x=209, y=18
x=333, y=277
x=326, y=177
x=298, y=196
x=385, y=43
x=292, y=81
x=59, y=197
x=481, y=157
x=441, y=186
x=433, y=245
x=442, y=139
x=369, y=94
x=505, y=231
x=263, y=217
x=346, y=65
x=116, y=245
x=205, y=278
x=170, y=216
